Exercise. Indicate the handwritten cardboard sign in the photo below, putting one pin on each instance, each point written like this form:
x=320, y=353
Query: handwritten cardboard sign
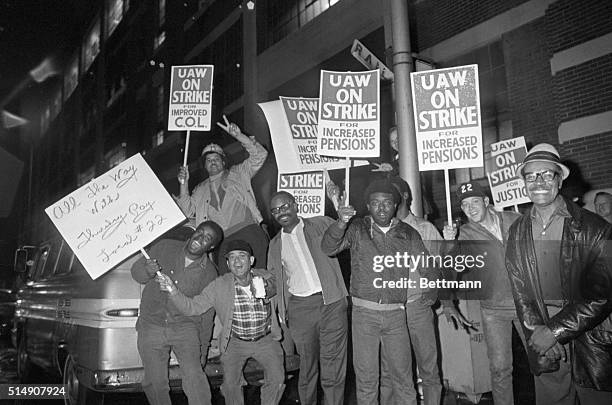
x=115, y=215
x=507, y=188
x=308, y=188
x=349, y=114
x=446, y=105
x=190, y=103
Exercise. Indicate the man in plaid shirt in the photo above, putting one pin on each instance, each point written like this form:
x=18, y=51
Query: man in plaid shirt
x=249, y=325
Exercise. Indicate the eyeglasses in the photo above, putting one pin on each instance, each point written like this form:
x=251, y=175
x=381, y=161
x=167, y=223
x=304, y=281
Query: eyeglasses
x=281, y=208
x=387, y=204
x=547, y=175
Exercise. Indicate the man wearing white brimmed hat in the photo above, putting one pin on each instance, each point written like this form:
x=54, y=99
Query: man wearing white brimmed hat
x=226, y=196
x=560, y=266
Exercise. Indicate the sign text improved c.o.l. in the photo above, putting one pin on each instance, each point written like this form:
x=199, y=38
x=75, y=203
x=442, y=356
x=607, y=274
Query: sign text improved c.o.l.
x=190, y=98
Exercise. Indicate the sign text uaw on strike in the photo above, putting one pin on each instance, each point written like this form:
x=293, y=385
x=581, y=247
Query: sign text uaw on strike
x=190, y=98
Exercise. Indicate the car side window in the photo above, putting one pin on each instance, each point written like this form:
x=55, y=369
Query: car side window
x=64, y=261
x=41, y=260
x=52, y=256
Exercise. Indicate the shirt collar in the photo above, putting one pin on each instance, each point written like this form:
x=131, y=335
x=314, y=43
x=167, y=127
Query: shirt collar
x=300, y=226
x=560, y=209
x=394, y=221
x=216, y=177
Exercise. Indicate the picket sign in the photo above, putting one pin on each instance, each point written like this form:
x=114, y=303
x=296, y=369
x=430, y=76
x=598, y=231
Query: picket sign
x=114, y=215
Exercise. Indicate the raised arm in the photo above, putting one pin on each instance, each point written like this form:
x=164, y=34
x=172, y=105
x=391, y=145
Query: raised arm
x=189, y=306
x=257, y=153
x=339, y=235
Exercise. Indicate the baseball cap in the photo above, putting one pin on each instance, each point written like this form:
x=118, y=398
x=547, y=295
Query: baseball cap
x=470, y=189
x=238, y=244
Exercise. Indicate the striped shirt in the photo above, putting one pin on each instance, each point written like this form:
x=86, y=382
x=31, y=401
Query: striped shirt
x=251, y=315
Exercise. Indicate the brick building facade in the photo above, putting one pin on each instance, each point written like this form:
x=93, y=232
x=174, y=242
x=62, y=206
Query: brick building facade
x=545, y=71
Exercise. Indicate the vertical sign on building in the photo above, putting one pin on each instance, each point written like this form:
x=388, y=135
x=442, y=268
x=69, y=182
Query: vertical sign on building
x=507, y=188
x=190, y=98
x=349, y=116
x=308, y=188
x=447, y=118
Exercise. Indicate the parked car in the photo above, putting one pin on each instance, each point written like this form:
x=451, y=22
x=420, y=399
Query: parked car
x=83, y=330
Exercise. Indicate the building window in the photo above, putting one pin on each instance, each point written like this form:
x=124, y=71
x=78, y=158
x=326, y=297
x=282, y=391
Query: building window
x=86, y=176
x=114, y=15
x=158, y=138
x=162, y=11
x=45, y=119
x=91, y=46
x=282, y=17
x=116, y=155
x=161, y=110
x=56, y=104
x=159, y=40
x=71, y=77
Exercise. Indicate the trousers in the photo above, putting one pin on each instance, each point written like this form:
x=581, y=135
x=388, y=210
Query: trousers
x=320, y=333
x=154, y=344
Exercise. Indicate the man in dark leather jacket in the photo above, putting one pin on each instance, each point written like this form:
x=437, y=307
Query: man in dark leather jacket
x=559, y=262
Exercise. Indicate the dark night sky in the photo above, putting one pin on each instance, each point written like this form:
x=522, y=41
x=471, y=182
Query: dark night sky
x=30, y=30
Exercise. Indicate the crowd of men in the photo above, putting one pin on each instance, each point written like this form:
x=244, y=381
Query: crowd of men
x=548, y=272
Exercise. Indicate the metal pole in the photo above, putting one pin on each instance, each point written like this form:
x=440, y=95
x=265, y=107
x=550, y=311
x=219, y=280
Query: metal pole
x=29, y=212
x=402, y=66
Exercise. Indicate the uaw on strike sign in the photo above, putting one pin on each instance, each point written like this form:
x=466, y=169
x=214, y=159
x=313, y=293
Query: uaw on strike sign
x=190, y=98
x=446, y=106
x=302, y=116
x=507, y=188
x=349, y=116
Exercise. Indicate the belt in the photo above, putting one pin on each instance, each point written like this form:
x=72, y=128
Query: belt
x=375, y=305
x=317, y=294
x=250, y=339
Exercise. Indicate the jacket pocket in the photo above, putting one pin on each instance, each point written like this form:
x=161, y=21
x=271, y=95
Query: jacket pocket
x=602, y=333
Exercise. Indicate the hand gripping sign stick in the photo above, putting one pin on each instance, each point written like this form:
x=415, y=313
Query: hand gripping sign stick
x=335, y=197
x=146, y=256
